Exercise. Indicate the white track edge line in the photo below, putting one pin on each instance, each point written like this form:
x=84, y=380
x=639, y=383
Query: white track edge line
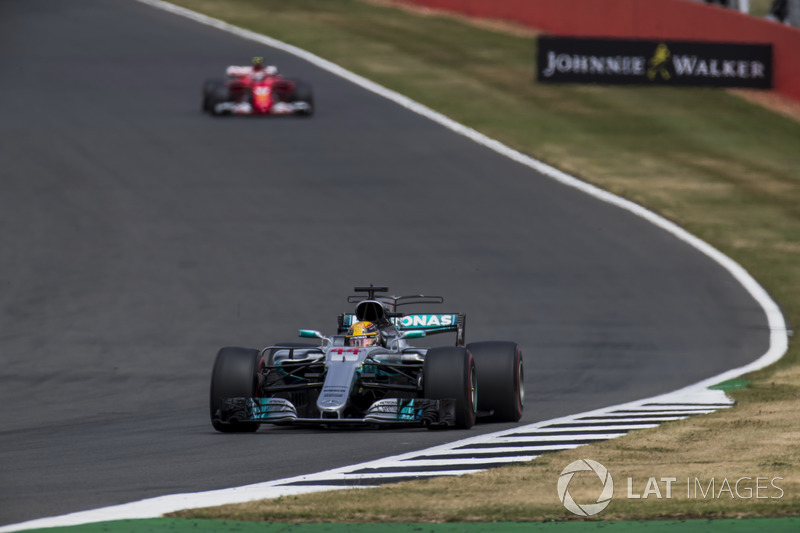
x=155, y=507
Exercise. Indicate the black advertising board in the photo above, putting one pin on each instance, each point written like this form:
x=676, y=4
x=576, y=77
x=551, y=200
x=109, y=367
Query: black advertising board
x=645, y=62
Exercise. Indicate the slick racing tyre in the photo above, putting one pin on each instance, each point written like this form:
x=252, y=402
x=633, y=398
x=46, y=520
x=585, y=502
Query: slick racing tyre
x=235, y=375
x=218, y=95
x=449, y=372
x=303, y=93
x=500, y=379
x=211, y=88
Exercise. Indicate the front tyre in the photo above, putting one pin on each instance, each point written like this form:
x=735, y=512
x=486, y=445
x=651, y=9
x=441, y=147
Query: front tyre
x=303, y=93
x=211, y=89
x=235, y=375
x=449, y=372
x=501, y=379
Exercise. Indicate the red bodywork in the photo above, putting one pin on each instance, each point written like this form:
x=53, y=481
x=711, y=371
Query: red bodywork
x=261, y=92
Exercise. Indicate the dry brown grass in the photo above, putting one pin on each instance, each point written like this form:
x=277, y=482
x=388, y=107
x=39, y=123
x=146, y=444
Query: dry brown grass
x=771, y=100
x=510, y=28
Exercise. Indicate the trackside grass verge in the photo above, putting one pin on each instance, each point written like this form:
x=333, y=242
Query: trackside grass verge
x=172, y=525
x=723, y=168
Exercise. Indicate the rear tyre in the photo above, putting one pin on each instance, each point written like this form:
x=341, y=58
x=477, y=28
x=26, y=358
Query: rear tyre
x=449, y=372
x=235, y=375
x=501, y=379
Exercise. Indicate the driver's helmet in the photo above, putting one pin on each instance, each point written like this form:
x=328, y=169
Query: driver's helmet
x=258, y=64
x=363, y=334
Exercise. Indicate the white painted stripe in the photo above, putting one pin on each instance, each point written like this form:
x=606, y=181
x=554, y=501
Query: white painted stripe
x=581, y=426
x=575, y=429
x=608, y=418
x=709, y=407
x=538, y=449
x=466, y=461
x=532, y=447
x=533, y=440
x=549, y=438
x=659, y=412
x=696, y=393
x=350, y=478
x=522, y=454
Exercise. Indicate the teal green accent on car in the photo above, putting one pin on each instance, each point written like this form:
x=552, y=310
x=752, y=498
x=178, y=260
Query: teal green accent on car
x=259, y=408
x=427, y=322
x=408, y=412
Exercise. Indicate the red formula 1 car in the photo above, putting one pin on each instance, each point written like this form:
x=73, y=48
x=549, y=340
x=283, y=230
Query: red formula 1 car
x=257, y=90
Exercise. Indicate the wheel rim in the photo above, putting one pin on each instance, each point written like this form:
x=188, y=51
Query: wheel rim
x=257, y=382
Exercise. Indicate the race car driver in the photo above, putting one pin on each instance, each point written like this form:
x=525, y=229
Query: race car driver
x=363, y=334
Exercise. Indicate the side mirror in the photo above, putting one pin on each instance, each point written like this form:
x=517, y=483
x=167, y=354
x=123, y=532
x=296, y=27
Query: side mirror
x=314, y=334
x=310, y=334
x=410, y=334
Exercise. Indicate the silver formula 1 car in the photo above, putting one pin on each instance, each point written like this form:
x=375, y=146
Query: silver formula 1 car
x=338, y=380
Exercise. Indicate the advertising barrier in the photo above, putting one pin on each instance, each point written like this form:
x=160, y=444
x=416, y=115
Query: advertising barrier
x=649, y=62
x=673, y=20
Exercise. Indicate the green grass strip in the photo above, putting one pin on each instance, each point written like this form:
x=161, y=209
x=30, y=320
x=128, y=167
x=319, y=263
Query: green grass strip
x=731, y=384
x=174, y=525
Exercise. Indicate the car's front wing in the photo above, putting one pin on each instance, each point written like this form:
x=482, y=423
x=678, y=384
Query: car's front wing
x=245, y=108
x=386, y=412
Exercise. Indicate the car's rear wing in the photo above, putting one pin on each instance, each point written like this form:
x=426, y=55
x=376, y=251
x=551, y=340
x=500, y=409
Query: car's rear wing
x=430, y=323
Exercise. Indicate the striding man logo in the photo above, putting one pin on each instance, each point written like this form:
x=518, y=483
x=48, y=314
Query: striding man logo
x=657, y=65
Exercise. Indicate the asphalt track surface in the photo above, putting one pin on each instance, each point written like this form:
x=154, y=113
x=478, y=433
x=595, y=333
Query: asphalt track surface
x=137, y=236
